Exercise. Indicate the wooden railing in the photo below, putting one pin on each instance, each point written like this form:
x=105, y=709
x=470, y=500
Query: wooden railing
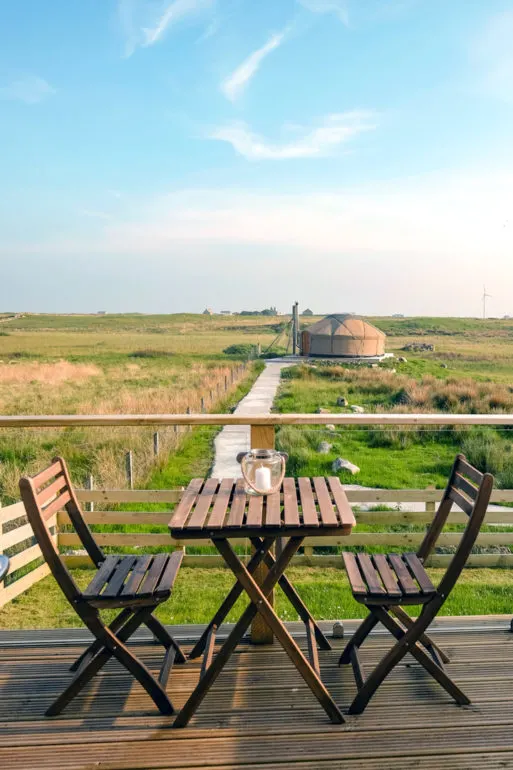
x=16, y=537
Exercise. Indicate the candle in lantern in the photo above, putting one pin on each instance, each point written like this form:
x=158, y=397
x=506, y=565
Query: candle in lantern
x=263, y=478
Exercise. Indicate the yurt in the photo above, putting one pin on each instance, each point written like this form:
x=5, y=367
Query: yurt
x=343, y=335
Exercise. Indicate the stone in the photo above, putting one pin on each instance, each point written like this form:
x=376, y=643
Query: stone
x=320, y=410
x=402, y=360
x=344, y=465
x=324, y=448
x=444, y=366
x=338, y=629
x=393, y=371
x=331, y=428
x=374, y=366
x=341, y=401
x=357, y=409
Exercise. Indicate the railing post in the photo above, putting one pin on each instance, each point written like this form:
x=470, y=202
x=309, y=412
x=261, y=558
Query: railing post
x=156, y=443
x=129, y=464
x=262, y=437
x=90, y=486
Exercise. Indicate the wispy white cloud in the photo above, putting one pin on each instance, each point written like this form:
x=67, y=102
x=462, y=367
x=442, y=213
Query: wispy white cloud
x=145, y=24
x=210, y=30
x=235, y=83
x=492, y=52
x=337, y=7
x=30, y=89
x=314, y=142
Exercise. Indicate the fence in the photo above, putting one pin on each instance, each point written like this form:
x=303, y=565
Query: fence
x=16, y=538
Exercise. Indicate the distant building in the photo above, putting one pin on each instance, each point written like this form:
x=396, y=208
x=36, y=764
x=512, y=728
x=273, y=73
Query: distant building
x=307, y=312
x=343, y=335
x=208, y=311
x=226, y=312
x=101, y=312
x=398, y=315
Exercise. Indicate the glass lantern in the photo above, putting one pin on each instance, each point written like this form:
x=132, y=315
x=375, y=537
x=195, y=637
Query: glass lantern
x=263, y=470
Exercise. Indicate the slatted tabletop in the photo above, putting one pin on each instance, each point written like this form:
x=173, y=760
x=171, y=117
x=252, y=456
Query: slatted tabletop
x=222, y=508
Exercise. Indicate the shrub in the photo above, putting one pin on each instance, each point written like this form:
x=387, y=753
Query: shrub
x=484, y=449
x=245, y=349
x=149, y=353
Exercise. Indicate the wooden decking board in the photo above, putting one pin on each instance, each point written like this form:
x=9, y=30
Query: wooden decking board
x=259, y=714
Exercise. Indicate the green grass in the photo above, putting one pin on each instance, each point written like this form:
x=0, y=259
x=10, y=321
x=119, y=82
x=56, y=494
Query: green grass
x=199, y=591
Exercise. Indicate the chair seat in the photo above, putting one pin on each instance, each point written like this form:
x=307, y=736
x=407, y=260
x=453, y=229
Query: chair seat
x=389, y=579
x=124, y=581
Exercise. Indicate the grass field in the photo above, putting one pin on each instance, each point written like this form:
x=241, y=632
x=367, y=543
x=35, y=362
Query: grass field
x=133, y=363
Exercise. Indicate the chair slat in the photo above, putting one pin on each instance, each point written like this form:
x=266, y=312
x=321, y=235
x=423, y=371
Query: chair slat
x=203, y=503
x=168, y=577
x=117, y=579
x=344, y=511
x=465, y=486
x=56, y=505
x=238, y=506
x=255, y=510
x=221, y=504
x=152, y=578
x=369, y=573
x=327, y=513
x=273, y=510
x=405, y=579
x=309, y=509
x=419, y=572
x=51, y=490
x=468, y=470
x=358, y=586
x=102, y=576
x=136, y=577
x=185, y=505
x=465, y=504
x=290, y=507
x=386, y=574
x=47, y=474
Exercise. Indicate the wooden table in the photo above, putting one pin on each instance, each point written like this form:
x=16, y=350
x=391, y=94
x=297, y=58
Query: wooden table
x=221, y=510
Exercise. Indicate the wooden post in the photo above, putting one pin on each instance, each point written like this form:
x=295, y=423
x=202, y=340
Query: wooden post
x=262, y=437
x=156, y=443
x=129, y=464
x=90, y=485
x=202, y=404
x=225, y=383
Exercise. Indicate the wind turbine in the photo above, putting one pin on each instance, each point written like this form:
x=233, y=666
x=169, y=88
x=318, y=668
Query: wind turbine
x=485, y=297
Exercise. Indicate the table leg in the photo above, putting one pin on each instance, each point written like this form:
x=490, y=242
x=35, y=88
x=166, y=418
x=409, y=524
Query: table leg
x=259, y=603
x=298, y=604
x=258, y=556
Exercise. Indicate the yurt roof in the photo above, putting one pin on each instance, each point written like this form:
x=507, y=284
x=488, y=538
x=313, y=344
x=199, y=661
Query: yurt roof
x=345, y=325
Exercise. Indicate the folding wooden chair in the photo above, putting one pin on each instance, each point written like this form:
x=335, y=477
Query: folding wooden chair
x=135, y=585
x=385, y=582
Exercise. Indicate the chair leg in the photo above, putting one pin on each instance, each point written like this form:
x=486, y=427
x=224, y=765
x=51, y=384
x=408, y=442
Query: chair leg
x=165, y=638
x=424, y=659
x=424, y=639
x=113, y=646
x=358, y=638
x=96, y=646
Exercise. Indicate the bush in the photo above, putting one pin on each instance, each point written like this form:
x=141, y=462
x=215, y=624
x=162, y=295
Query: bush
x=246, y=350
x=149, y=353
x=484, y=449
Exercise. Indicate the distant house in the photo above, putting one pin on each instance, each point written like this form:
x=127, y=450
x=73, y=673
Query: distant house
x=398, y=315
x=226, y=312
x=208, y=311
x=101, y=312
x=307, y=311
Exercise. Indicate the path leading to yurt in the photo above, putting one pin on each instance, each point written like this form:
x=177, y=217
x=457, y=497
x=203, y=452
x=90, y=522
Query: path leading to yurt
x=236, y=438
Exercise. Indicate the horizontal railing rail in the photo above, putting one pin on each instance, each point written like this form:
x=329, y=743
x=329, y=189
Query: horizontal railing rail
x=123, y=420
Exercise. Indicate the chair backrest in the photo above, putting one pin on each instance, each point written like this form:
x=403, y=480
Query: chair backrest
x=43, y=496
x=470, y=490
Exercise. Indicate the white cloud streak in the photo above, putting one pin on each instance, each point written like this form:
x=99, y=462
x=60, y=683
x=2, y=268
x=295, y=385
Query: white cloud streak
x=337, y=7
x=143, y=26
x=319, y=141
x=30, y=89
x=235, y=84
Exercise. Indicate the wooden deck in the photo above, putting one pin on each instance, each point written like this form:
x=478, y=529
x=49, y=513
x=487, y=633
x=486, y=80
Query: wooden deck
x=260, y=714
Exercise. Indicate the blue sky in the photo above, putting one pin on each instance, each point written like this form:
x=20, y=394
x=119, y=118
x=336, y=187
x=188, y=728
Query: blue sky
x=163, y=155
